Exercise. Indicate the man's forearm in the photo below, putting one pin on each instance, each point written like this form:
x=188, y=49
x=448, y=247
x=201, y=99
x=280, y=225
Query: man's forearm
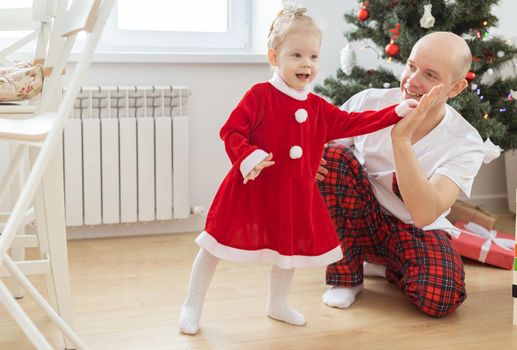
x=420, y=197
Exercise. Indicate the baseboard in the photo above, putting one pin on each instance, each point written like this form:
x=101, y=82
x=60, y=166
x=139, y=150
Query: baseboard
x=493, y=202
x=194, y=224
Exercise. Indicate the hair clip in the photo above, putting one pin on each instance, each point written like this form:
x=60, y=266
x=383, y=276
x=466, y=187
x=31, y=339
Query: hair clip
x=292, y=9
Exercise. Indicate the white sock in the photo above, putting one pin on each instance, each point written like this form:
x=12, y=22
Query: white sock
x=200, y=277
x=374, y=270
x=341, y=297
x=277, y=308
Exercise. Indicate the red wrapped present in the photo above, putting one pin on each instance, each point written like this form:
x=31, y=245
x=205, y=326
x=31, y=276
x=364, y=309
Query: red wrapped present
x=488, y=246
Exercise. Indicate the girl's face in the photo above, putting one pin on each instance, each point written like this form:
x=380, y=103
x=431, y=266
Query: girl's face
x=297, y=59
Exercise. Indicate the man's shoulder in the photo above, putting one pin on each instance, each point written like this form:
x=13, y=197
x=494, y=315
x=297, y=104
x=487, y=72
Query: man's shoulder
x=372, y=99
x=461, y=128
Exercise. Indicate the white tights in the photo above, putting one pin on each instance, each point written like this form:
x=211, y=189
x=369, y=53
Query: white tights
x=201, y=275
x=280, y=281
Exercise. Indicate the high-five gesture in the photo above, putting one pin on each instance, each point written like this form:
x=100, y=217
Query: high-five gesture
x=407, y=126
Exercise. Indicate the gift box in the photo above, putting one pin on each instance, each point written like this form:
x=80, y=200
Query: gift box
x=465, y=212
x=488, y=246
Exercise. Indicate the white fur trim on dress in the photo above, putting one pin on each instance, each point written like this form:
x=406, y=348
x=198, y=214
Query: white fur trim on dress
x=281, y=85
x=251, y=161
x=405, y=107
x=209, y=243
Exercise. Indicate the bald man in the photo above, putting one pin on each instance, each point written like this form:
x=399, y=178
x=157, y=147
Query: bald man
x=390, y=195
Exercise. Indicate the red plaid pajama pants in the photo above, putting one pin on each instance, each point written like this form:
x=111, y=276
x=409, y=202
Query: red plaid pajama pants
x=421, y=263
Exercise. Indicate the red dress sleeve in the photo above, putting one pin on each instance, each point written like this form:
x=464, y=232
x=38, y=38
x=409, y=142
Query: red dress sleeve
x=341, y=124
x=236, y=132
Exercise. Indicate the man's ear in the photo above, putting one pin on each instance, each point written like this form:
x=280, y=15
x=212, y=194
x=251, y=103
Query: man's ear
x=458, y=87
x=272, y=57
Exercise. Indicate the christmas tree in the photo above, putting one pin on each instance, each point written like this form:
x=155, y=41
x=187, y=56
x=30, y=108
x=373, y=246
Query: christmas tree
x=394, y=26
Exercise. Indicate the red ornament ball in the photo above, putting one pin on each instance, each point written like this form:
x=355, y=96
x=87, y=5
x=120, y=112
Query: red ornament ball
x=392, y=49
x=470, y=76
x=363, y=14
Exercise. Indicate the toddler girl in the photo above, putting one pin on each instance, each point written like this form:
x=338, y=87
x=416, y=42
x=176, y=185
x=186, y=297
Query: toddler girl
x=268, y=207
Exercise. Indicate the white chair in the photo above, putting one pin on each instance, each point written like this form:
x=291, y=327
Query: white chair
x=38, y=21
x=41, y=133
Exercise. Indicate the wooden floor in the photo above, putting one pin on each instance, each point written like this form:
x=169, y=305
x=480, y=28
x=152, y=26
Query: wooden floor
x=127, y=294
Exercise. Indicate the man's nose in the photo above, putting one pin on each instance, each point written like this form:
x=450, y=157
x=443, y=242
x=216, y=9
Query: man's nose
x=414, y=79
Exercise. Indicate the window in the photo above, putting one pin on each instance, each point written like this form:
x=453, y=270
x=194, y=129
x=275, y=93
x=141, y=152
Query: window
x=10, y=4
x=15, y=21
x=178, y=25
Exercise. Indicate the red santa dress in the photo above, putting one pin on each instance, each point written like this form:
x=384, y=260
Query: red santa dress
x=280, y=217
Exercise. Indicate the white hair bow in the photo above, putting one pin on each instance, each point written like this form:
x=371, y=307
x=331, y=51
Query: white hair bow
x=290, y=8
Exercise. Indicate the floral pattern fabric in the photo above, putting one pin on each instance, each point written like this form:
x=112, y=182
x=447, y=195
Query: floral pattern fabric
x=20, y=82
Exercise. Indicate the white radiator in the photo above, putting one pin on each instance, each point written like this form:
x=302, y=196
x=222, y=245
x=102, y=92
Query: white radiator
x=126, y=155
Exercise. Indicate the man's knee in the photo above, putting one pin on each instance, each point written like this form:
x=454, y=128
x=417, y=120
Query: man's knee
x=446, y=305
x=437, y=296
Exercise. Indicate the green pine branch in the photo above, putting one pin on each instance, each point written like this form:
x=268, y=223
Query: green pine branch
x=487, y=107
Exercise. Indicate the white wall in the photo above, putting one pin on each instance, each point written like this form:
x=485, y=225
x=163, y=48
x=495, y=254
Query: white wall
x=216, y=88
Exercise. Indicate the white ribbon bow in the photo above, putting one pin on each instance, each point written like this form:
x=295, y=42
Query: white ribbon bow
x=489, y=236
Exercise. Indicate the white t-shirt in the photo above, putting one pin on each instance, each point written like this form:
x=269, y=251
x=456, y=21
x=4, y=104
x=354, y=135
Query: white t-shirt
x=453, y=149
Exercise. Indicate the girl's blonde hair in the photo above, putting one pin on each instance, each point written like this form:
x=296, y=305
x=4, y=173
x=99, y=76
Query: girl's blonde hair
x=290, y=20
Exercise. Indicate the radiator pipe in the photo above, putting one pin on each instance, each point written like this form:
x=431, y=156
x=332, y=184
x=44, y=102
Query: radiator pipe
x=197, y=210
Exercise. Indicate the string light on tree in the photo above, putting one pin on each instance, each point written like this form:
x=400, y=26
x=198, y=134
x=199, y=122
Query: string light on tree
x=485, y=33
